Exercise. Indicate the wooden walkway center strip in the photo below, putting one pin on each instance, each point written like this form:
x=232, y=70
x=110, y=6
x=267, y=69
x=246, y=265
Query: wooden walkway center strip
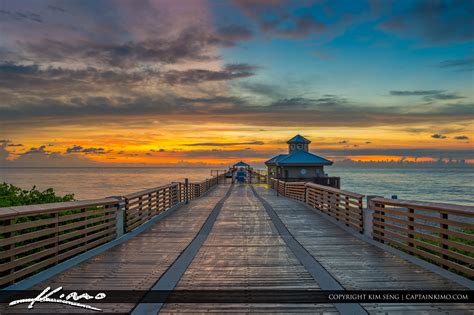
x=325, y=280
x=171, y=277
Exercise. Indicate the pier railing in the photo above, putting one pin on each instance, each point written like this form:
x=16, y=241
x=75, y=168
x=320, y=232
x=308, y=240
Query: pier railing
x=259, y=175
x=437, y=232
x=344, y=206
x=440, y=233
x=295, y=190
x=36, y=237
x=143, y=205
x=330, y=181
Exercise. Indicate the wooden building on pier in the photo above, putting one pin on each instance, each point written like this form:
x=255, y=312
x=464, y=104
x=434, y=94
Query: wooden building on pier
x=300, y=164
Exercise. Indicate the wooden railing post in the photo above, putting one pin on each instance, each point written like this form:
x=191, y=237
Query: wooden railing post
x=11, y=258
x=333, y=205
x=411, y=228
x=444, y=236
x=186, y=190
x=149, y=210
x=84, y=226
x=346, y=207
x=56, y=235
x=306, y=195
x=382, y=220
x=120, y=218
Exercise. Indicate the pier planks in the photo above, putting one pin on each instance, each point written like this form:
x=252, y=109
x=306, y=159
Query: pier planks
x=244, y=250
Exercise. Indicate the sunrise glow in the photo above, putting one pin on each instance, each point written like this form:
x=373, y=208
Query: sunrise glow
x=210, y=82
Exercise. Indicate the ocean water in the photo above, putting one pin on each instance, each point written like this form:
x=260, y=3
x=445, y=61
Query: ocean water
x=449, y=184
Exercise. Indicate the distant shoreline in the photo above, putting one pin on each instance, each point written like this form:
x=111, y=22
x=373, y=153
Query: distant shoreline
x=337, y=165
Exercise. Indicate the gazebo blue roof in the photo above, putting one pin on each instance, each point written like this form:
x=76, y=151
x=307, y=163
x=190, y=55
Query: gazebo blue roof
x=275, y=159
x=298, y=158
x=298, y=139
x=241, y=164
x=303, y=158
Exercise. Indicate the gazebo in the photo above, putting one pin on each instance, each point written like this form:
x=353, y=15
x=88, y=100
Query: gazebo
x=241, y=164
x=300, y=164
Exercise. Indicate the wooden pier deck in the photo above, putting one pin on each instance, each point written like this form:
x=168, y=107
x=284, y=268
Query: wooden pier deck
x=244, y=237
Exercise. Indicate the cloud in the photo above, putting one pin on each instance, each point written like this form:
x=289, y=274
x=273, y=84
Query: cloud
x=302, y=103
x=35, y=81
x=194, y=76
x=279, y=18
x=235, y=32
x=268, y=90
x=56, y=8
x=159, y=150
x=40, y=150
x=44, y=159
x=435, y=22
x=226, y=154
x=299, y=111
x=300, y=26
x=25, y=87
x=21, y=16
x=342, y=142
x=192, y=44
x=461, y=138
x=407, y=152
x=466, y=64
x=416, y=93
x=438, y=136
x=443, y=96
x=14, y=145
x=223, y=144
x=80, y=149
x=131, y=36
x=429, y=95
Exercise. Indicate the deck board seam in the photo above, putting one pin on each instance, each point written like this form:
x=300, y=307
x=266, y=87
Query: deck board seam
x=170, y=278
x=323, y=277
x=469, y=284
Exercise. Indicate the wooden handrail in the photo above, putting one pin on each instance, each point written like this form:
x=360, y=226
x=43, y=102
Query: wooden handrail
x=9, y=212
x=343, y=205
x=36, y=237
x=441, y=233
x=425, y=205
x=438, y=232
x=147, y=191
x=335, y=190
x=295, y=190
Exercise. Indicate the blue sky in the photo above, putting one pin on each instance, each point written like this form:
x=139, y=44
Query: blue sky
x=81, y=81
x=362, y=59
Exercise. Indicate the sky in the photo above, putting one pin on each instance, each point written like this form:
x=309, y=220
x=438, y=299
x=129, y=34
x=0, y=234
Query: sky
x=163, y=82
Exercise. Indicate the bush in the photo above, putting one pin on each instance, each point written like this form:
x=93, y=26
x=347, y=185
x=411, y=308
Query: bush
x=11, y=195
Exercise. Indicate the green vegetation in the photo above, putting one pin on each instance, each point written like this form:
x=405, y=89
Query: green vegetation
x=11, y=195
x=450, y=248
x=60, y=229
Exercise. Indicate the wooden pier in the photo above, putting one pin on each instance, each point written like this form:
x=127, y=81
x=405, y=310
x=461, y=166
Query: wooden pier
x=221, y=236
